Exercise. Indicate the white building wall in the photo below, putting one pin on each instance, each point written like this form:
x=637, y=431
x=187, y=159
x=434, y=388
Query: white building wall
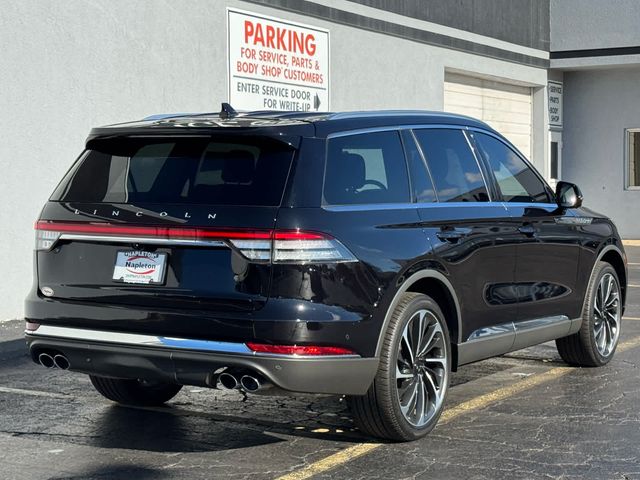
x=598, y=106
x=68, y=66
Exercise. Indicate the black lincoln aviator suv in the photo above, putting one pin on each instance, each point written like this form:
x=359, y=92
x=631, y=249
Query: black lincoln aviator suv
x=365, y=254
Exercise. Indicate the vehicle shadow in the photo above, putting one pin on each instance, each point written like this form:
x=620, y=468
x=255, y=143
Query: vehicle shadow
x=114, y=471
x=180, y=428
x=161, y=430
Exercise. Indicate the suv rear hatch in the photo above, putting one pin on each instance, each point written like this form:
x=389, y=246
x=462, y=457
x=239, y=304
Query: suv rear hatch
x=170, y=222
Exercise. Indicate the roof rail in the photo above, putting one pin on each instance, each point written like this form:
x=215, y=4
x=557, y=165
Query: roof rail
x=162, y=116
x=392, y=113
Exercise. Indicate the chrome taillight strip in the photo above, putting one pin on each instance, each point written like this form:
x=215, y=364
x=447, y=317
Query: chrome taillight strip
x=144, y=240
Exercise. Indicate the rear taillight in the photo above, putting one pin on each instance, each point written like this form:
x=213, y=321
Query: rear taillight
x=46, y=239
x=303, y=350
x=295, y=247
x=279, y=246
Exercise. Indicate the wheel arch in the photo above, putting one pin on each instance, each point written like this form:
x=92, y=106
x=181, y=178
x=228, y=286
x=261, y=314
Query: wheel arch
x=614, y=256
x=438, y=287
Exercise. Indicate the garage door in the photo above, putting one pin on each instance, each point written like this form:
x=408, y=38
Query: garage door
x=507, y=108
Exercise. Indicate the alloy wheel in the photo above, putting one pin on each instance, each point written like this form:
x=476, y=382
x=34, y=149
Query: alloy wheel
x=421, y=368
x=606, y=314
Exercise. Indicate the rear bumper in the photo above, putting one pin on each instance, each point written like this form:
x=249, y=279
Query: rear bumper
x=280, y=321
x=192, y=362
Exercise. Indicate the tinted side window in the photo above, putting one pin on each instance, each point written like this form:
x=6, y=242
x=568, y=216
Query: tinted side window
x=516, y=181
x=454, y=169
x=366, y=168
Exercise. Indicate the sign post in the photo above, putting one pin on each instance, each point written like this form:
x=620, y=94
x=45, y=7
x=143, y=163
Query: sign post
x=276, y=64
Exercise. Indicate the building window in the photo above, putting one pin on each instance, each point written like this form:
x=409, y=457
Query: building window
x=633, y=158
x=554, y=161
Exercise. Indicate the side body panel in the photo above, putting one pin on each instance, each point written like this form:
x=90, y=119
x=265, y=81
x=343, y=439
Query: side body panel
x=480, y=262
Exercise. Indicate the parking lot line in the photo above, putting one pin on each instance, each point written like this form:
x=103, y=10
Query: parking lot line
x=360, y=449
x=33, y=393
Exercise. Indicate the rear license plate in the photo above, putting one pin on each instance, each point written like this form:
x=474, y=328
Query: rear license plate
x=140, y=267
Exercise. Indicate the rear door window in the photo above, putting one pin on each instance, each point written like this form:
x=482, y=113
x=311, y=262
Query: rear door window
x=421, y=184
x=366, y=168
x=516, y=181
x=454, y=169
x=182, y=171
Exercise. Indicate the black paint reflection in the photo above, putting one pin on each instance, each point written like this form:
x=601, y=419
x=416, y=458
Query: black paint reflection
x=510, y=293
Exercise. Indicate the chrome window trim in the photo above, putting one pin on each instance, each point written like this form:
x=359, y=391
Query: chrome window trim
x=145, y=240
x=154, y=341
x=359, y=207
x=407, y=206
x=386, y=128
x=531, y=204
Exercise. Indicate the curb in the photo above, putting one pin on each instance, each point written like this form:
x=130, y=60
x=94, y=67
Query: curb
x=631, y=243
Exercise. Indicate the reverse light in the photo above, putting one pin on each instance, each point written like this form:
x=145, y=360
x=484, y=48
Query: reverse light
x=31, y=326
x=302, y=350
x=301, y=247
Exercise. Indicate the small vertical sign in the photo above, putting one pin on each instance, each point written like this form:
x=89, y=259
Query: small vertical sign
x=555, y=91
x=276, y=64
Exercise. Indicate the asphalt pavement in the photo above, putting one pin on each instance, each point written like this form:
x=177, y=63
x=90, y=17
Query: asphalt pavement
x=523, y=415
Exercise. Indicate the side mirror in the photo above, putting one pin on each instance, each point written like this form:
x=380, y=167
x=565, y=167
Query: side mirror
x=568, y=195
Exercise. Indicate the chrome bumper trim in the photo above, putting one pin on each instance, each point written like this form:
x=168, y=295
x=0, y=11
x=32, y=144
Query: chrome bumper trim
x=141, y=340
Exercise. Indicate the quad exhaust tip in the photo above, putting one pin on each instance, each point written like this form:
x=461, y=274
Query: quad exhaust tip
x=61, y=362
x=46, y=360
x=232, y=381
x=250, y=383
x=227, y=381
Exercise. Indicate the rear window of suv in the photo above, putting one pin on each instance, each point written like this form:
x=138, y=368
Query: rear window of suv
x=182, y=171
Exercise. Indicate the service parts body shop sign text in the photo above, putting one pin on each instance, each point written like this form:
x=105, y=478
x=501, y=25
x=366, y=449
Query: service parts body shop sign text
x=276, y=64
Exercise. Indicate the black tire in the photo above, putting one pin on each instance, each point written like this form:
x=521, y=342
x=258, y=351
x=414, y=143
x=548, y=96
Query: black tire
x=378, y=412
x=580, y=349
x=135, y=392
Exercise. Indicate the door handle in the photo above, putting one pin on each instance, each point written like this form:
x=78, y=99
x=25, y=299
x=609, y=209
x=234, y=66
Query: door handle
x=527, y=229
x=452, y=234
